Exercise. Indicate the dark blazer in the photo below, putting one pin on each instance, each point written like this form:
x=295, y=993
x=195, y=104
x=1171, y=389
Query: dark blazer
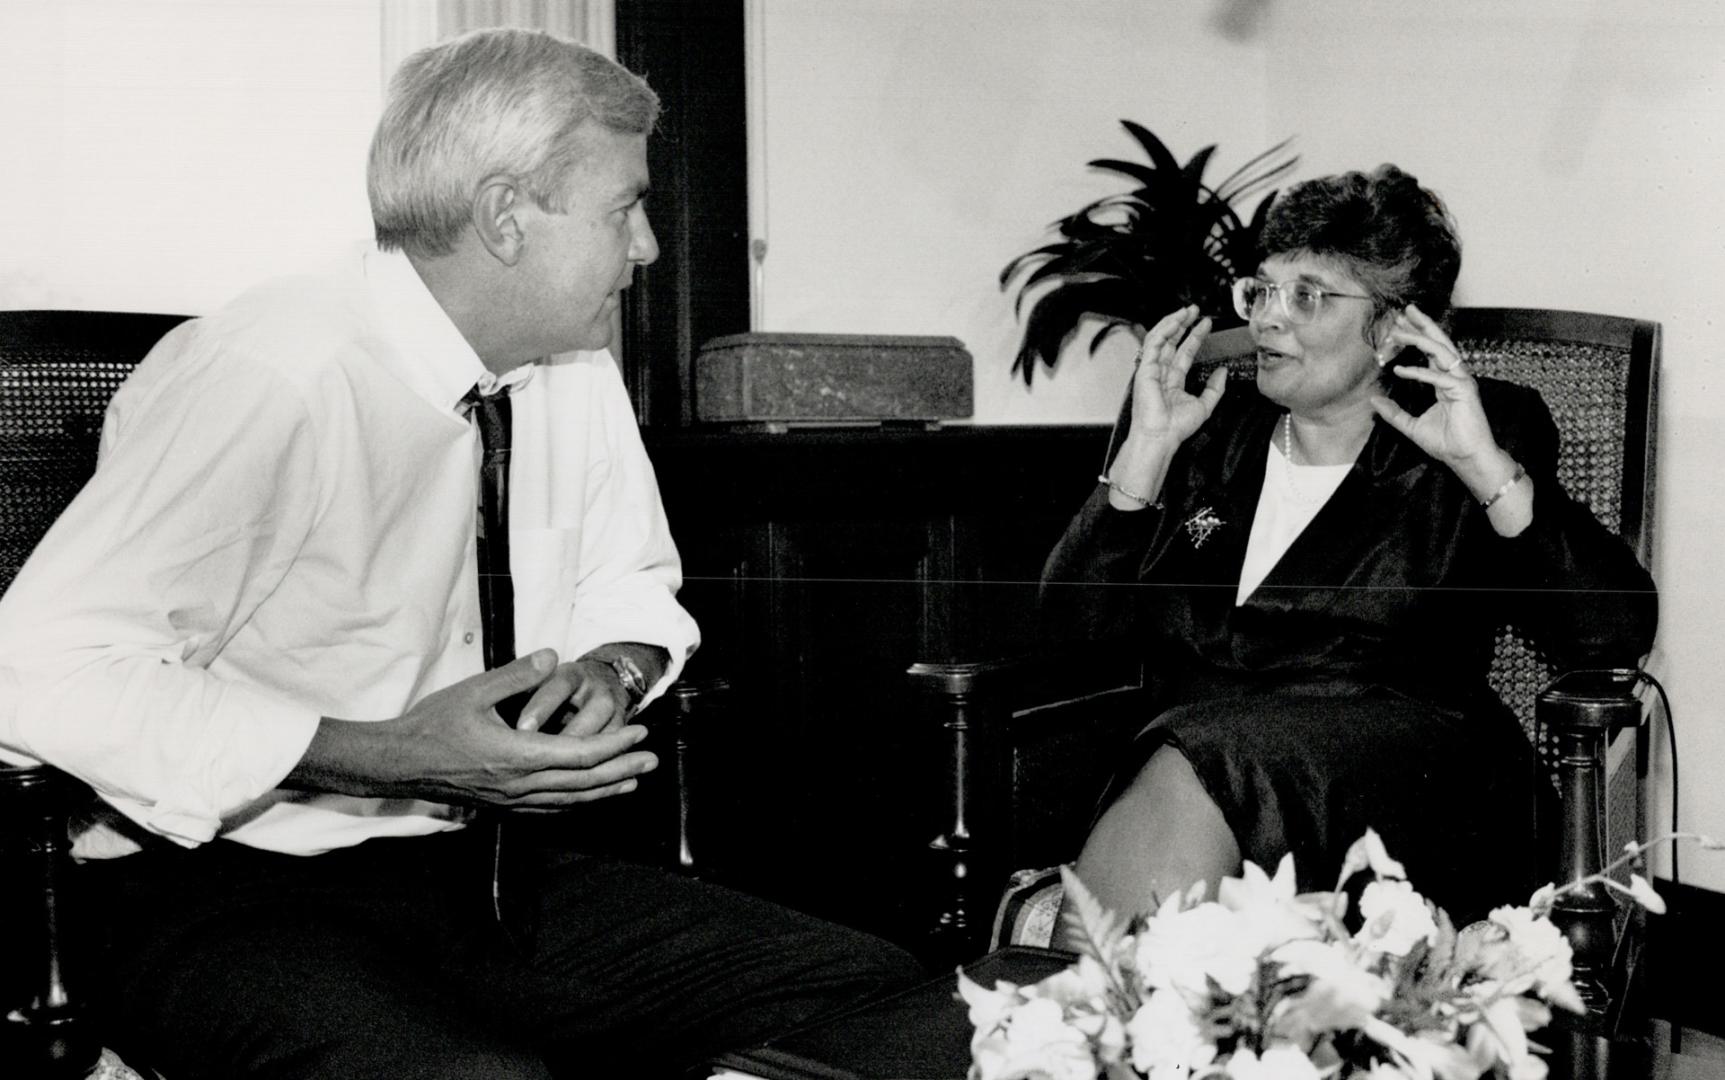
x=1399, y=581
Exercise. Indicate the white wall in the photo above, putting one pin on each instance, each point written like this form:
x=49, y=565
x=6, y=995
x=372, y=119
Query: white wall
x=913, y=148
x=161, y=155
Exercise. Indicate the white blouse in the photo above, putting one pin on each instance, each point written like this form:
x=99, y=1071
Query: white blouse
x=1291, y=497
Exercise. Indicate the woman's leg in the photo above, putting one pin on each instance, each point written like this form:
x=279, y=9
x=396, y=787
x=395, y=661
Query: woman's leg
x=1162, y=834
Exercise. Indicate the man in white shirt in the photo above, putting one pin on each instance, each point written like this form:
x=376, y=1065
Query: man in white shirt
x=257, y=635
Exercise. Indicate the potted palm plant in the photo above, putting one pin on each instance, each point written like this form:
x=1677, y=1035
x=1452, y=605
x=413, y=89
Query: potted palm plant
x=1131, y=258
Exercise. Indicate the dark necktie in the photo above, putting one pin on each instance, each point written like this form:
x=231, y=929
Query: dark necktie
x=496, y=592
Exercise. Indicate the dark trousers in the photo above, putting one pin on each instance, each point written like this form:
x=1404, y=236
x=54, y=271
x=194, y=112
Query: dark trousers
x=385, y=960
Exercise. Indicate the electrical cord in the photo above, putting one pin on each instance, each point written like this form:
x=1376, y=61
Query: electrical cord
x=1671, y=737
x=1641, y=675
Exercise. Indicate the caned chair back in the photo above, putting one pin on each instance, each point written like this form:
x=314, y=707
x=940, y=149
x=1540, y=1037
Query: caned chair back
x=1598, y=375
x=57, y=371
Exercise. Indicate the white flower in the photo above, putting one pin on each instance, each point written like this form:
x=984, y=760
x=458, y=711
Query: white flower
x=1501, y=1036
x=1341, y=995
x=1269, y=910
x=1082, y=983
x=1181, y=950
x=1162, y=992
x=1368, y=851
x=1644, y=894
x=1539, y=957
x=1541, y=900
x=988, y=1008
x=1396, y=918
x=1279, y=1062
x=1034, y=1043
x=1166, y=1039
x=1428, y=1054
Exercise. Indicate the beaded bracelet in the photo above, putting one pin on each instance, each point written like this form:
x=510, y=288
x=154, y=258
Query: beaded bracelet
x=1485, y=504
x=1134, y=496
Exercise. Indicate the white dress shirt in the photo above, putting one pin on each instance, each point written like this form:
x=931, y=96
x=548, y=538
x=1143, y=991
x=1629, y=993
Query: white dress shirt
x=281, y=528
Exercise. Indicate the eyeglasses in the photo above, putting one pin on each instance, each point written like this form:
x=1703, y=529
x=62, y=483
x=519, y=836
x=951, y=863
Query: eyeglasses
x=1301, y=300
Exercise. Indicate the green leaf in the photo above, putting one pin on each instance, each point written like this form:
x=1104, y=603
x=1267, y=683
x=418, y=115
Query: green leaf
x=1055, y=316
x=1159, y=155
x=1096, y=931
x=1127, y=259
x=1144, y=174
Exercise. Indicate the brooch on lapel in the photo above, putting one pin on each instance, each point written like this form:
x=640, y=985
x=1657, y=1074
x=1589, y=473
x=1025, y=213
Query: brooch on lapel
x=1202, y=525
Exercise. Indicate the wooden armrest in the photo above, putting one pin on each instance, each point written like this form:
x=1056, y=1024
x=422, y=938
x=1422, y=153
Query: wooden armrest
x=992, y=710
x=37, y=802
x=688, y=700
x=1591, y=699
x=1584, y=710
x=1027, y=682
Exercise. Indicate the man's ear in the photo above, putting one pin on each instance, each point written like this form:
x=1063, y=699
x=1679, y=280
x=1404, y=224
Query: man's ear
x=496, y=218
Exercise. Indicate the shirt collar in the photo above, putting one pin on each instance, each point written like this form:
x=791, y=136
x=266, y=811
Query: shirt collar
x=436, y=360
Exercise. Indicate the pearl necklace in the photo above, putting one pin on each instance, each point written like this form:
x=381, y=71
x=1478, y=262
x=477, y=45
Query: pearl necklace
x=1288, y=456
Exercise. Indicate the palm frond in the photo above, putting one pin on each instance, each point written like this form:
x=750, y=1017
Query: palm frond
x=1243, y=179
x=1127, y=259
x=1193, y=170
x=1159, y=154
x=1054, y=317
x=1144, y=174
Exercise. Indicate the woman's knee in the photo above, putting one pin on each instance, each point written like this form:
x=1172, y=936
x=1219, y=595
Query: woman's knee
x=1162, y=826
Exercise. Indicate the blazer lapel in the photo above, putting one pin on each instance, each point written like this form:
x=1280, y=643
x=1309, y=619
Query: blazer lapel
x=1217, y=517
x=1333, y=551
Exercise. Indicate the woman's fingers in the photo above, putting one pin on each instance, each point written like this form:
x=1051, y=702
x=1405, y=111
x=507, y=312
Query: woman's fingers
x=1167, y=332
x=1214, y=387
x=1414, y=327
x=1394, y=415
x=1189, y=346
x=1443, y=380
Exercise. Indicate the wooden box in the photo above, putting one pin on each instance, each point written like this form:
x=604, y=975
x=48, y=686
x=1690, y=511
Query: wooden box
x=832, y=378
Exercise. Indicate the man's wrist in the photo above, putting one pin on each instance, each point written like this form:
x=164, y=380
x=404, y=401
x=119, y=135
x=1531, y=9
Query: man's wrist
x=636, y=666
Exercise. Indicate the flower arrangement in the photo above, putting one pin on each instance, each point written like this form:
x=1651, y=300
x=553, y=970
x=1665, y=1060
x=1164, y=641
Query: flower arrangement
x=1263, y=983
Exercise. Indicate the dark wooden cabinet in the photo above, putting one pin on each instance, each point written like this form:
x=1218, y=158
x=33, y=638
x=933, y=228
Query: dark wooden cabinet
x=821, y=564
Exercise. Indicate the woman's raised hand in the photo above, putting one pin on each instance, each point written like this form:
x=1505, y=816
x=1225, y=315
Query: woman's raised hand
x=1454, y=430
x=1163, y=411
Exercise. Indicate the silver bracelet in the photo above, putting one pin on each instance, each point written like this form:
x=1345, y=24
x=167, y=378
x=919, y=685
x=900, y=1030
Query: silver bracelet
x=1134, y=496
x=1485, y=504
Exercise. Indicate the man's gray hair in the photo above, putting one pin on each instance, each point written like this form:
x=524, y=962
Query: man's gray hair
x=490, y=102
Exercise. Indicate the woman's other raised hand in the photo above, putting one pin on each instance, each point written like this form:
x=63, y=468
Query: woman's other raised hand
x=1164, y=412
x=1454, y=430
x=1162, y=408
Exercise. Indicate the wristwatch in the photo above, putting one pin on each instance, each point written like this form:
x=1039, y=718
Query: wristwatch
x=633, y=679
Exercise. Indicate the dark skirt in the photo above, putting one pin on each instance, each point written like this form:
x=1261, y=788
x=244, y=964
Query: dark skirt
x=1453, y=794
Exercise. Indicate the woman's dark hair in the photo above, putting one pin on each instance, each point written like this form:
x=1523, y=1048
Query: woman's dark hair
x=1382, y=227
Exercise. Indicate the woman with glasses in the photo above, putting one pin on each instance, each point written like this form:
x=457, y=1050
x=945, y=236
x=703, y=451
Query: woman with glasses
x=1320, y=565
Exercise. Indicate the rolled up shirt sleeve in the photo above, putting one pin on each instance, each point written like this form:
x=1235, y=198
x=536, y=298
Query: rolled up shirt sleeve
x=616, y=570
x=109, y=632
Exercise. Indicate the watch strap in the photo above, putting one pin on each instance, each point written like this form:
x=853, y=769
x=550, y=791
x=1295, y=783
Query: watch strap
x=634, y=680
